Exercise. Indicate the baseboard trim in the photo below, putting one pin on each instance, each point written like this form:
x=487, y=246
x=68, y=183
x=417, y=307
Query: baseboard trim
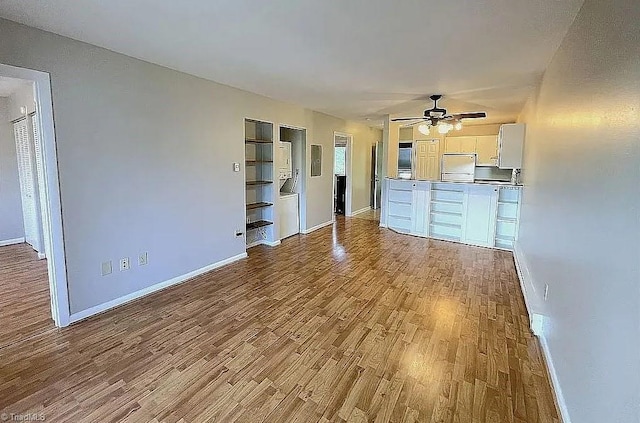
x=264, y=242
x=320, y=226
x=531, y=299
x=42, y=256
x=92, y=311
x=537, y=322
x=357, y=212
x=13, y=241
x=555, y=383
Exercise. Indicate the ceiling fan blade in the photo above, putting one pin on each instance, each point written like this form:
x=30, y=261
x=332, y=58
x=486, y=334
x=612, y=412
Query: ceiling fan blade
x=474, y=115
x=415, y=123
x=401, y=119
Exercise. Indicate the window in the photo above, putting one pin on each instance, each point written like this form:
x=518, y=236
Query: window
x=340, y=160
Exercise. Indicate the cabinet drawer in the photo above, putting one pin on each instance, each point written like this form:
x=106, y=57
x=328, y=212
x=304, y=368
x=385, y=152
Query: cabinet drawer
x=400, y=209
x=399, y=223
x=400, y=196
x=400, y=185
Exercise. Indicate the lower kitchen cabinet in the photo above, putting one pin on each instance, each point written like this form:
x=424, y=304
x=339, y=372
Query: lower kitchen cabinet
x=480, y=215
x=475, y=214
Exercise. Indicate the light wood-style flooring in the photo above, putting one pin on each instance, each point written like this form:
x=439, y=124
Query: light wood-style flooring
x=348, y=324
x=25, y=308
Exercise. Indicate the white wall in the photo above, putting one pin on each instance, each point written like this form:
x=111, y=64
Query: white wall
x=580, y=221
x=22, y=97
x=11, y=223
x=145, y=161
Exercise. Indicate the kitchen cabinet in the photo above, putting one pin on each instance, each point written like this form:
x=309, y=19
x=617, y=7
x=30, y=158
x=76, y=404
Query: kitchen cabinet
x=480, y=212
x=487, y=150
x=511, y=145
x=460, y=145
x=420, y=208
x=476, y=214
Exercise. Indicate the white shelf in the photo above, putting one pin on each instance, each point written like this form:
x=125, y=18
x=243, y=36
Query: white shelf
x=446, y=225
x=445, y=213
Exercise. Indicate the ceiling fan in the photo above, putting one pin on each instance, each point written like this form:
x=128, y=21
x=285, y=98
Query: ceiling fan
x=439, y=118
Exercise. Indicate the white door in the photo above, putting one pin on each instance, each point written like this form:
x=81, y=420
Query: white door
x=40, y=182
x=27, y=176
x=480, y=215
x=428, y=160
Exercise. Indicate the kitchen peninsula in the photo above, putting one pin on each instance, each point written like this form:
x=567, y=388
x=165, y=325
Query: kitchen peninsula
x=483, y=214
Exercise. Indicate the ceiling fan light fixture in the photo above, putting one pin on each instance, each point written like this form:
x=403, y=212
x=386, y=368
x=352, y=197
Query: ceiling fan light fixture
x=423, y=129
x=443, y=128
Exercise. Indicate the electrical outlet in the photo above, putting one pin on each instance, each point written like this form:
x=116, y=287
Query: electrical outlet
x=143, y=259
x=107, y=268
x=236, y=167
x=124, y=264
x=546, y=291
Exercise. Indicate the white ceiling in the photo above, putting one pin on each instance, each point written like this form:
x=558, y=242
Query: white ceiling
x=350, y=58
x=9, y=86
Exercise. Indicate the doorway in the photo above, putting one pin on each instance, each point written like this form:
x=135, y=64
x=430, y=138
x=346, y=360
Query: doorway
x=291, y=165
x=427, y=159
x=342, y=181
x=376, y=175
x=31, y=240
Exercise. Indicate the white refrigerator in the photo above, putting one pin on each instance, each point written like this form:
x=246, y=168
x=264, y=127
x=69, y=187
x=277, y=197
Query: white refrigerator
x=458, y=167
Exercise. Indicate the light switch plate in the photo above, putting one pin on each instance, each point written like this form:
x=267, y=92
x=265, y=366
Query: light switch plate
x=236, y=167
x=143, y=259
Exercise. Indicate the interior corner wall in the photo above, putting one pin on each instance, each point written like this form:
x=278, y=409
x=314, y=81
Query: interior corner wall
x=11, y=223
x=139, y=173
x=580, y=218
x=364, y=138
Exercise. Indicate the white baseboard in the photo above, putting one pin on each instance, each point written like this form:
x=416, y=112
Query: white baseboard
x=537, y=322
x=320, y=226
x=562, y=405
x=42, y=256
x=92, y=311
x=13, y=241
x=357, y=212
x=383, y=225
x=264, y=242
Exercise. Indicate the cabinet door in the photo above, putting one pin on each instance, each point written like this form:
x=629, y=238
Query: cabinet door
x=480, y=215
x=467, y=145
x=487, y=150
x=452, y=145
x=420, y=209
x=428, y=160
x=510, y=145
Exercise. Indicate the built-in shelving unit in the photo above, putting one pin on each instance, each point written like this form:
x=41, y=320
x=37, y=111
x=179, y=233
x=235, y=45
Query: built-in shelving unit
x=446, y=211
x=259, y=175
x=507, y=217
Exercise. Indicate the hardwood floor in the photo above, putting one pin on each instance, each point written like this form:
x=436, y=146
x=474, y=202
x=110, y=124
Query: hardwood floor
x=25, y=308
x=352, y=323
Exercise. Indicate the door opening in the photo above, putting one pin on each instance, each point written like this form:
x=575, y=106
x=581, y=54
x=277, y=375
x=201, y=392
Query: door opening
x=292, y=199
x=342, y=181
x=30, y=213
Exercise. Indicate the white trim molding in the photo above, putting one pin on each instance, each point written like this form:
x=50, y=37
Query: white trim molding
x=92, y=311
x=264, y=242
x=13, y=241
x=320, y=226
x=538, y=321
x=363, y=210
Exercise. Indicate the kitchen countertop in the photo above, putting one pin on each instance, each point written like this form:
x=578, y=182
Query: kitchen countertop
x=498, y=183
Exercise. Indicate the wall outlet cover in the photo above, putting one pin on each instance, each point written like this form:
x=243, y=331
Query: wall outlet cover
x=143, y=259
x=124, y=264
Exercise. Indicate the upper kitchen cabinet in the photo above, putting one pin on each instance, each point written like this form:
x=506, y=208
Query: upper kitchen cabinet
x=510, y=145
x=487, y=150
x=461, y=145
